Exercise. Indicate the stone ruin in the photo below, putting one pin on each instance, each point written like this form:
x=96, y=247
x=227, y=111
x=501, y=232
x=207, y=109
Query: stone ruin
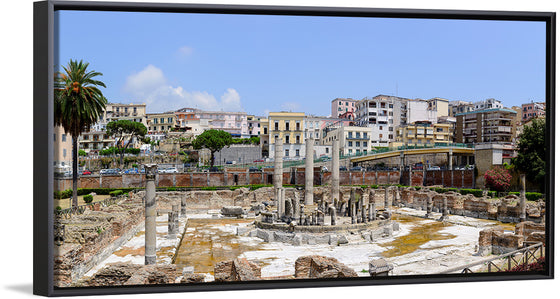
x=497, y=241
x=315, y=266
x=127, y=274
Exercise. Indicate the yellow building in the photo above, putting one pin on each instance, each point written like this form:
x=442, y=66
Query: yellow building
x=425, y=133
x=62, y=150
x=289, y=127
x=440, y=105
x=161, y=122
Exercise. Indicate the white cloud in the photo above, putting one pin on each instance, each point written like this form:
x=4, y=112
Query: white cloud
x=184, y=52
x=150, y=86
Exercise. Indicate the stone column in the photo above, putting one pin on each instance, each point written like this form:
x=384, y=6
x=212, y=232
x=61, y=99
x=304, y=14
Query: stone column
x=150, y=214
x=451, y=166
x=410, y=175
x=335, y=172
x=309, y=142
x=173, y=222
x=386, y=204
x=332, y=213
x=522, y=200
x=352, y=205
x=296, y=204
x=279, y=203
x=429, y=205
x=444, y=212
x=278, y=145
x=183, y=206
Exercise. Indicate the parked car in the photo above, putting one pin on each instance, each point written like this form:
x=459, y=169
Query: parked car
x=86, y=172
x=434, y=168
x=356, y=168
x=168, y=170
x=254, y=169
x=131, y=170
x=109, y=171
x=214, y=169
x=417, y=166
x=343, y=168
x=259, y=160
x=324, y=169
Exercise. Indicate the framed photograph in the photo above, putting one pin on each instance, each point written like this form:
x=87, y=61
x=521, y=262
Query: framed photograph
x=203, y=147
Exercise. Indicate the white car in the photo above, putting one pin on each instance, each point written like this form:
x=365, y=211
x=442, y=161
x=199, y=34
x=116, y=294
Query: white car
x=169, y=170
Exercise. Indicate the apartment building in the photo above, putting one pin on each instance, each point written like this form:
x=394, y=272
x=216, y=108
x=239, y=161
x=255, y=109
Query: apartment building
x=314, y=125
x=382, y=114
x=289, y=127
x=495, y=125
x=425, y=134
x=93, y=141
x=234, y=123
x=62, y=150
x=343, y=108
x=254, y=125
x=488, y=104
x=117, y=111
x=161, y=122
x=533, y=110
x=439, y=105
x=352, y=139
x=459, y=107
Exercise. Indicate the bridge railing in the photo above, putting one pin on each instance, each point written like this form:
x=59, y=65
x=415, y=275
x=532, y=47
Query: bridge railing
x=505, y=262
x=406, y=147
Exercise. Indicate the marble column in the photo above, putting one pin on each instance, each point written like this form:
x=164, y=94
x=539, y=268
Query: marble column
x=278, y=163
x=309, y=142
x=444, y=212
x=335, y=172
x=522, y=200
x=352, y=205
x=183, y=206
x=429, y=205
x=150, y=214
x=173, y=222
x=386, y=203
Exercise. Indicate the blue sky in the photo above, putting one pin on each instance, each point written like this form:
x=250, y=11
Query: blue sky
x=259, y=64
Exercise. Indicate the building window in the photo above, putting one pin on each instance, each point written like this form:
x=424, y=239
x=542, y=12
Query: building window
x=380, y=127
x=380, y=135
x=276, y=126
x=265, y=130
x=297, y=152
x=64, y=152
x=134, y=109
x=350, y=143
x=287, y=125
x=349, y=151
x=365, y=135
x=297, y=139
x=63, y=137
x=287, y=153
x=390, y=136
x=297, y=126
x=365, y=144
x=349, y=134
x=358, y=134
x=327, y=150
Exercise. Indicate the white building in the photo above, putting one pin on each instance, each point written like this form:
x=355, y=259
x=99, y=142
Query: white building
x=352, y=139
x=488, y=104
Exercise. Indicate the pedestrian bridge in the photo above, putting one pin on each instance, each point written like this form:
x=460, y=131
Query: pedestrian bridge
x=459, y=148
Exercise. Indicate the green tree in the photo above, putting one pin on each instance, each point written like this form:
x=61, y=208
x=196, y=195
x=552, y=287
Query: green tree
x=531, y=152
x=78, y=104
x=214, y=140
x=125, y=131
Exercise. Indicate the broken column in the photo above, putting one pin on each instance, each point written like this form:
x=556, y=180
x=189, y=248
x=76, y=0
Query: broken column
x=444, y=212
x=183, y=206
x=332, y=213
x=173, y=222
x=309, y=170
x=386, y=204
x=363, y=206
x=429, y=205
x=150, y=214
x=351, y=205
x=522, y=200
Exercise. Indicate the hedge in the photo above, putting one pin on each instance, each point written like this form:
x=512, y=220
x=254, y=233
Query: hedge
x=475, y=192
x=116, y=193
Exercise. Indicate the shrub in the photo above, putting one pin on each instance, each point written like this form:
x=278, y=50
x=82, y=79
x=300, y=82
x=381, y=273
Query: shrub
x=208, y=188
x=171, y=189
x=452, y=189
x=63, y=194
x=493, y=193
x=88, y=198
x=374, y=186
x=533, y=196
x=497, y=179
x=115, y=193
x=417, y=187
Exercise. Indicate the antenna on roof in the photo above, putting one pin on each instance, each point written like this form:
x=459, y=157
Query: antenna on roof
x=397, y=88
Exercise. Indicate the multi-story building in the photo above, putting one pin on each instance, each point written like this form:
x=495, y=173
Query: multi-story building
x=93, y=141
x=382, y=114
x=460, y=107
x=496, y=125
x=289, y=127
x=254, y=125
x=343, y=108
x=439, y=105
x=161, y=122
x=314, y=125
x=425, y=133
x=532, y=110
x=422, y=110
x=234, y=123
x=352, y=139
x=488, y=104
x=62, y=150
x=116, y=111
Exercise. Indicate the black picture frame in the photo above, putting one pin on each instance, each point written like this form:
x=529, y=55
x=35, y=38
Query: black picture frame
x=44, y=51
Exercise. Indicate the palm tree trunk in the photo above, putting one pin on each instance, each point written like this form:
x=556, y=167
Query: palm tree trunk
x=74, y=171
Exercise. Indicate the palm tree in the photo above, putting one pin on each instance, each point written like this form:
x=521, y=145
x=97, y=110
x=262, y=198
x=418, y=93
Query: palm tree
x=78, y=103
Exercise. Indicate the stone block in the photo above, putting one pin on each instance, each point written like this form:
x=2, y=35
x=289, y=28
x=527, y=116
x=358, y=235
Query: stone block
x=315, y=266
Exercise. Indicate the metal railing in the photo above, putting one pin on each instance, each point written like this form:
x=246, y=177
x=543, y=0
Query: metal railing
x=505, y=262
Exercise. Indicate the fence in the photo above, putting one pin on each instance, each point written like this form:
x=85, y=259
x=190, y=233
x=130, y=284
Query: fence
x=78, y=210
x=505, y=262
